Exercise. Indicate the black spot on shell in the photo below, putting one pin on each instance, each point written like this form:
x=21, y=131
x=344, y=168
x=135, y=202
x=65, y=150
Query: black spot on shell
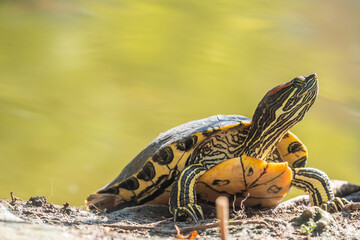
x=130, y=184
x=301, y=162
x=274, y=189
x=112, y=190
x=147, y=173
x=187, y=143
x=250, y=172
x=163, y=182
x=295, y=147
x=218, y=182
x=163, y=156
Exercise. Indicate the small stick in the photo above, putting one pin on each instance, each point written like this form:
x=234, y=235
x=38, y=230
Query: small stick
x=241, y=212
x=177, y=229
x=185, y=229
x=161, y=221
x=208, y=225
x=280, y=221
x=352, y=206
x=242, y=205
x=222, y=211
x=13, y=199
x=132, y=227
x=66, y=205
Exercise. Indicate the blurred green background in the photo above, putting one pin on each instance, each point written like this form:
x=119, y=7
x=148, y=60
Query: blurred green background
x=86, y=85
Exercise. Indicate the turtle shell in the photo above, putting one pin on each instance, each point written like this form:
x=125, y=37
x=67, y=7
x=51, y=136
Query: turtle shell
x=177, y=134
x=149, y=176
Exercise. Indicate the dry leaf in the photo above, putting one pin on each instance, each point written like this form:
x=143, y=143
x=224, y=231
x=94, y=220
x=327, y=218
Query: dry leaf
x=192, y=235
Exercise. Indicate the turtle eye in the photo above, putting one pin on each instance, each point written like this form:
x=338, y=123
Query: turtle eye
x=298, y=83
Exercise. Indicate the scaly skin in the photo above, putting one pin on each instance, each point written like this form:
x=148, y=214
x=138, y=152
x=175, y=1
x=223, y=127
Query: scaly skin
x=317, y=184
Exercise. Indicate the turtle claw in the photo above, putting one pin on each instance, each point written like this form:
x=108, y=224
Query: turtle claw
x=335, y=205
x=190, y=210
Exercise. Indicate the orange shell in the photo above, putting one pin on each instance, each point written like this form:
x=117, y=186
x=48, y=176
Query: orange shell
x=266, y=183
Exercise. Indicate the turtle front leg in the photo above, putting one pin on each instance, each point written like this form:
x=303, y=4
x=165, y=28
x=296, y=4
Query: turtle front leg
x=183, y=197
x=317, y=184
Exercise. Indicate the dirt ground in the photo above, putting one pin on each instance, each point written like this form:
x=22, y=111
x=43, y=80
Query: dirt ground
x=39, y=219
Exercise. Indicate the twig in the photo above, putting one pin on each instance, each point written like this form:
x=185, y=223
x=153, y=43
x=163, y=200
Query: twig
x=233, y=205
x=65, y=205
x=222, y=210
x=177, y=229
x=240, y=222
x=185, y=229
x=137, y=227
x=161, y=221
x=13, y=199
x=280, y=221
x=7, y=204
x=130, y=227
x=214, y=225
x=241, y=212
x=352, y=206
x=66, y=209
x=115, y=223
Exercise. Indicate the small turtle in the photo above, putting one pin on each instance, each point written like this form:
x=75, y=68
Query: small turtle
x=226, y=155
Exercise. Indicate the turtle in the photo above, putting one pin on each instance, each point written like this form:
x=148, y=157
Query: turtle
x=258, y=159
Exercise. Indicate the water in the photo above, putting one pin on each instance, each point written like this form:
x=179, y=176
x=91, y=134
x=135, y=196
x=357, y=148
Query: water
x=86, y=85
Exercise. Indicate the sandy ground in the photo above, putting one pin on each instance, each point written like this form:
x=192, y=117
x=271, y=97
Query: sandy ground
x=39, y=219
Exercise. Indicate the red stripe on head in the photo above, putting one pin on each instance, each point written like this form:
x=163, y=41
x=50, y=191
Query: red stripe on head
x=278, y=88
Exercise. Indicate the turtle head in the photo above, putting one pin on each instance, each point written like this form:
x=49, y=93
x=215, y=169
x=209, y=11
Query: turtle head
x=279, y=110
x=288, y=102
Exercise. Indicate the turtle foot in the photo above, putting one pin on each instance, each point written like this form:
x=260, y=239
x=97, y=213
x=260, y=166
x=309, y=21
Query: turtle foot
x=191, y=210
x=335, y=205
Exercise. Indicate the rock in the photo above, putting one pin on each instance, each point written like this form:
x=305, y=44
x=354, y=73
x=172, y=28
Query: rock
x=340, y=188
x=37, y=201
x=6, y=215
x=355, y=197
x=14, y=228
x=151, y=211
x=291, y=203
x=344, y=189
x=314, y=219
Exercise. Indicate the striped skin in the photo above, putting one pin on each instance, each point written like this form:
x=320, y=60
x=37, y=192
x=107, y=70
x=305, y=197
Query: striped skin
x=183, y=196
x=279, y=110
x=317, y=184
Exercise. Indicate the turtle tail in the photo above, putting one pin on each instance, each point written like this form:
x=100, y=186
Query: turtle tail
x=103, y=201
